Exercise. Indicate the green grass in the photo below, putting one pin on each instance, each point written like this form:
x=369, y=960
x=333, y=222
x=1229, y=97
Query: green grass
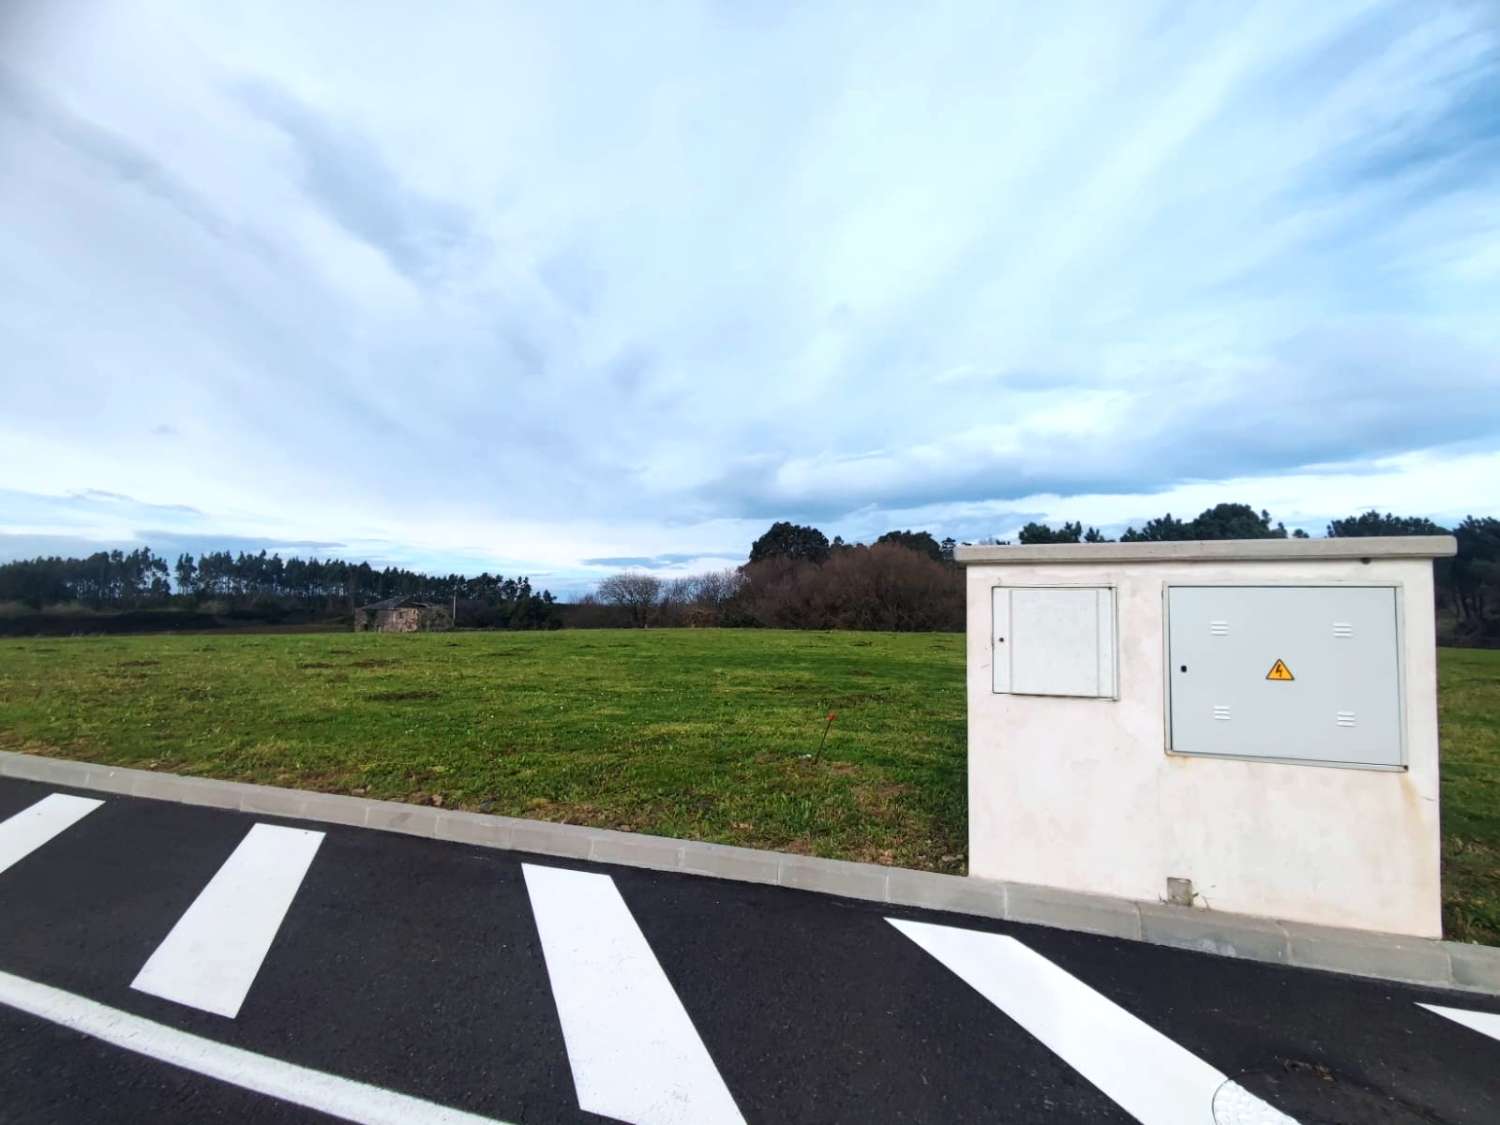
x=692, y=733
x=1469, y=706
x=702, y=734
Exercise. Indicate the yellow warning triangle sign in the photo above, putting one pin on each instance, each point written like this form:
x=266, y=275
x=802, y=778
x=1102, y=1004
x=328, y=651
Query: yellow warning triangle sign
x=1279, y=671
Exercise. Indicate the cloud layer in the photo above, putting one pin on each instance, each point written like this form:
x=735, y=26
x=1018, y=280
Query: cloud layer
x=550, y=287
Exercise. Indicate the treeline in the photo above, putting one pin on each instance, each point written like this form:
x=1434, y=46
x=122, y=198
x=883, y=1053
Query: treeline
x=1468, y=585
x=797, y=578
x=883, y=586
x=262, y=586
x=105, y=578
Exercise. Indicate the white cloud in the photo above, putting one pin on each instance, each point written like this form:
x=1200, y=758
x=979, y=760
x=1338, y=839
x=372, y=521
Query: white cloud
x=522, y=287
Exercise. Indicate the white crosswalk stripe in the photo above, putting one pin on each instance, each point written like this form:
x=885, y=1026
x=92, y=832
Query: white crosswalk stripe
x=29, y=829
x=633, y=1050
x=211, y=957
x=1486, y=1023
x=1148, y=1075
x=328, y=1093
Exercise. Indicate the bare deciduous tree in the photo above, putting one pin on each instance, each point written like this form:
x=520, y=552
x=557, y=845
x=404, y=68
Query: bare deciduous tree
x=681, y=592
x=717, y=588
x=636, y=592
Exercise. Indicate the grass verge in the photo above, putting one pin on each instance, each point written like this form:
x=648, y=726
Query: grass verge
x=703, y=734
x=1469, y=713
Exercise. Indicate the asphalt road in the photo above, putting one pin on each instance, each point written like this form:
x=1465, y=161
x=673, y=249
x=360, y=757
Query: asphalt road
x=164, y=963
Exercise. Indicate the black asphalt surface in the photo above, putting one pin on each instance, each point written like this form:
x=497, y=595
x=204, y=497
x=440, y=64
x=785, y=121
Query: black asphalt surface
x=416, y=966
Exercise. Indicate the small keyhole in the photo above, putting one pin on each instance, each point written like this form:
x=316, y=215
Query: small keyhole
x=1184, y=667
x=1000, y=639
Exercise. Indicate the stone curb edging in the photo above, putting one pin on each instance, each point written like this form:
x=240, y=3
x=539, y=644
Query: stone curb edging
x=1440, y=964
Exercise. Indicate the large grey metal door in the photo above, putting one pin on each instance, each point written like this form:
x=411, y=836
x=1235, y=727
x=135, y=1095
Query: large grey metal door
x=1301, y=673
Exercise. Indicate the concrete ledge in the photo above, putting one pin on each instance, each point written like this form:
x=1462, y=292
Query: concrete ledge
x=1228, y=935
x=637, y=851
x=474, y=828
x=390, y=816
x=1474, y=968
x=960, y=893
x=1214, y=550
x=334, y=808
x=835, y=877
x=187, y=790
x=1070, y=910
x=545, y=839
x=723, y=861
x=1389, y=956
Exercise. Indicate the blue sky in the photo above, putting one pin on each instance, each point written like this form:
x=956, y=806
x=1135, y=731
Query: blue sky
x=553, y=288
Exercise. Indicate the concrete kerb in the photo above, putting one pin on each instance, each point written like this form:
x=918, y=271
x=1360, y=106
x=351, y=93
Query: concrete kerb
x=1070, y=910
x=834, y=877
x=1473, y=968
x=1208, y=931
x=1388, y=956
x=723, y=861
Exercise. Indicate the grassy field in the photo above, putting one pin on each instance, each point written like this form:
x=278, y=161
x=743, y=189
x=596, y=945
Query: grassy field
x=701, y=734
x=693, y=733
x=1469, y=711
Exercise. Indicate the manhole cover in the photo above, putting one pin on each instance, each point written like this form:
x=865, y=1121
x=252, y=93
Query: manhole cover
x=1312, y=1094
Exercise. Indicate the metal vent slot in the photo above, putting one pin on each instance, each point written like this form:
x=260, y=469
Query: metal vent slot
x=1219, y=628
x=1221, y=712
x=1345, y=718
x=1343, y=629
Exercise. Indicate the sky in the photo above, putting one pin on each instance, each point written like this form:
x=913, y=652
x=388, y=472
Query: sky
x=560, y=288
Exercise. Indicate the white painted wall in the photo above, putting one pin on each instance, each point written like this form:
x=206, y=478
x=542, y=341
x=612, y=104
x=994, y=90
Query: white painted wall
x=1081, y=794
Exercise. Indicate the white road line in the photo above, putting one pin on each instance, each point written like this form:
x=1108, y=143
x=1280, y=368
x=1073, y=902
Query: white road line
x=1486, y=1023
x=1141, y=1070
x=314, y=1089
x=33, y=826
x=633, y=1050
x=210, y=958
